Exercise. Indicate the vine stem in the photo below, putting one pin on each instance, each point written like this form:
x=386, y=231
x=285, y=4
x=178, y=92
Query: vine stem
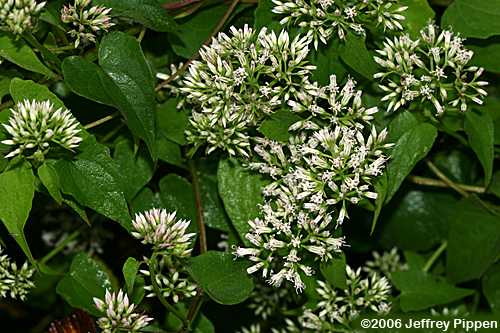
x=435, y=256
x=60, y=247
x=46, y=53
x=199, y=208
x=101, y=121
x=163, y=301
x=439, y=183
x=445, y=179
x=218, y=27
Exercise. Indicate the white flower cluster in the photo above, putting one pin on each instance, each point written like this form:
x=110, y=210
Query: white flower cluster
x=171, y=279
x=86, y=22
x=163, y=231
x=34, y=127
x=326, y=18
x=119, y=314
x=15, y=281
x=385, y=263
x=432, y=70
x=329, y=163
x=17, y=16
x=241, y=79
x=172, y=244
x=342, y=306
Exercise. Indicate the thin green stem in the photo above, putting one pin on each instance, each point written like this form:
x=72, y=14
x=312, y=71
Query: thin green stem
x=157, y=291
x=445, y=179
x=70, y=47
x=199, y=207
x=435, y=256
x=101, y=121
x=60, y=247
x=45, y=52
x=439, y=183
x=141, y=34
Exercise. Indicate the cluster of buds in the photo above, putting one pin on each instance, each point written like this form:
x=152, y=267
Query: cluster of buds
x=15, y=281
x=385, y=263
x=267, y=301
x=17, y=16
x=171, y=279
x=241, y=79
x=329, y=163
x=327, y=18
x=86, y=22
x=163, y=231
x=36, y=127
x=431, y=70
x=171, y=245
x=119, y=314
x=342, y=306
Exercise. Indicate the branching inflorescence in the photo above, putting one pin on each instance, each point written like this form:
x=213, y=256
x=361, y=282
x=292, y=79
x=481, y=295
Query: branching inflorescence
x=328, y=19
x=86, y=22
x=36, y=127
x=15, y=281
x=18, y=16
x=329, y=162
x=241, y=79
x=431, y=70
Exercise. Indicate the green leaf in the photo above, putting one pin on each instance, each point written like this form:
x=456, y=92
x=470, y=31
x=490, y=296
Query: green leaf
x=401, y=124
x=27, y=89
x=420, y=290
x=146, y=12
x=417, y=220
x=335, y=272
x=136, y=167
x=146, y=200
x=121, y=57
x=169, y=151
x=85, y=280
x=408, y=150
x=276, y=128
x=457, y=165
x=172, y=122
x=17, y=188
x=213, y=209
x=195, y=29
x=130, y=269
x=240, y=191
x=417, y=16
x=328, y=62
x=224, y=279
x=485, y=55
x=480, y=132
x=472, y=18
x=4, y=87
x=177, y=195
x=19, y=53
x=494, y=187
x=355, y=54
x=264, y=17
x=94, y=180
x=473, y=241
x=49, y=178
x=491, y=287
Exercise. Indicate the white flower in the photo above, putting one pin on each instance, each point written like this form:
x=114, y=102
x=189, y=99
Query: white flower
x=119, y=314
x=15, y=281
x=36, y=127
x=440, y=60
x=241, y=79
x=162, y=230
x=326, y=19
x=172, y=285
x=385, y=263
x=86, y=22
x=17, y=16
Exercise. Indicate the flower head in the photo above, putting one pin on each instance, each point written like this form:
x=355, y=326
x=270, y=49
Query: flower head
x=431, y=70
x=18, y=16
x=36, y=127
x=162, y=230
x=329, y=18
x=242, y=78
x=15, y=281
x=118, y=314
x=86, y=22
x=385, y=263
